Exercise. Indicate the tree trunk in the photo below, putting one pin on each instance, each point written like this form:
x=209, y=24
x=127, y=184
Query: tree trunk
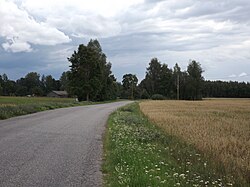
x=87, y=97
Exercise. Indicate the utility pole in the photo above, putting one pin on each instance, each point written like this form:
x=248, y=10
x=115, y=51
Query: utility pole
x=178, y=86
x=132, y=93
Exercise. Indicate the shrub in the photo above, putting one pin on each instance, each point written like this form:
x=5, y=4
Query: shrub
x=145, y=94
x=157, y=97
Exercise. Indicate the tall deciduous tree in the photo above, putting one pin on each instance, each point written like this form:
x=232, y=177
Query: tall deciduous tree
x=129, y=83
x=7, y=87
x=90, y=74
x=64, y=81
x=153, y=76
x=50, y=84
x=195, y=80
x=166, y=81
x=30, y=84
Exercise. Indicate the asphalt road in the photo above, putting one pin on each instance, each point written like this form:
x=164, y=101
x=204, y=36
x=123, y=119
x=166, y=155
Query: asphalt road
x=60, y=147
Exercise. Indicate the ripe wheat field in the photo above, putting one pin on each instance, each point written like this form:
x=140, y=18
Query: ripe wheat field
x=219, y=128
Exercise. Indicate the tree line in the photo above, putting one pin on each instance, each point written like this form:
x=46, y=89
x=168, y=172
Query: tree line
x=163, y=82
x=230, y=89
x=90, y=78
x=166, y=83
x=31, y=84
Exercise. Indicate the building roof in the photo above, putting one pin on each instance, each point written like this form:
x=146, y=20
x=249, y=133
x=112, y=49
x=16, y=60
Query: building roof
x=61, y=93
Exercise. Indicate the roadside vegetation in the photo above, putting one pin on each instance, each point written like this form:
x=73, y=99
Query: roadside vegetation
x=139, y=153
x=16, y=106
x=218, y=128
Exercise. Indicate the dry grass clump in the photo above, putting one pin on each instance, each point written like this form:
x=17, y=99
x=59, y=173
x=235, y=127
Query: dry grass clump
x=217, y=127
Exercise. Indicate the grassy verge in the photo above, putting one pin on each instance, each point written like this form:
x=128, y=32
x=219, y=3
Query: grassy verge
x=137, y=153
x=16, y=106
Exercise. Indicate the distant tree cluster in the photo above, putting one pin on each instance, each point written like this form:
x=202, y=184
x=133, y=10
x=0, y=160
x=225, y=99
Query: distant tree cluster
x=163, y=82
x=32, y=84
x=226, y=89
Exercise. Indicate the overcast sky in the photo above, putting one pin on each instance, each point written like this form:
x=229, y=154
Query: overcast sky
x=40, y=35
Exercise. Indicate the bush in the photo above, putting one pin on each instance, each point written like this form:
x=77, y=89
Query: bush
x=145, y=94
x=157, y=97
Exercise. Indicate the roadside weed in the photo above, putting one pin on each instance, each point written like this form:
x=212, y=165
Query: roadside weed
x=137, y=153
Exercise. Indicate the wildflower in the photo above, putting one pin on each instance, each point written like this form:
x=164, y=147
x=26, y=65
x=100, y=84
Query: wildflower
x=175, y=174
x=158, y=177
x=182, y=176
x=164, y=181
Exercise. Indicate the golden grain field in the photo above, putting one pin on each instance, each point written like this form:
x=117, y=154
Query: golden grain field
x=218, y=127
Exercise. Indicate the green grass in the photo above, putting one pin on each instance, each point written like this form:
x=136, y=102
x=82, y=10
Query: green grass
x=16, y=106
x=137, y=153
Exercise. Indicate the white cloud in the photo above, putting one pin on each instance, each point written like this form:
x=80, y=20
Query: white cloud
x=232, y=76
x=17, y=47
x=216, y=33
x=20, y=30
x=80, y=18
x=107, y=8
x=81, y=26
x=242, y=74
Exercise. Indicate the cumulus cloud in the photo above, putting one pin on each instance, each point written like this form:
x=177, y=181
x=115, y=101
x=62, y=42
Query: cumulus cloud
x=242, y=74
x=216, y=33
x=80, y=18
x=189, y=32
x=13, y=46
x=21, y=30
x=232, y=76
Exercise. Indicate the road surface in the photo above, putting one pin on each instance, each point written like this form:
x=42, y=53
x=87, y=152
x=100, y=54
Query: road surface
x=60, y=147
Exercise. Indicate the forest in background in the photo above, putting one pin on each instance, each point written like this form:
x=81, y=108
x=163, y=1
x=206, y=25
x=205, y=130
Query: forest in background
x=90, y=78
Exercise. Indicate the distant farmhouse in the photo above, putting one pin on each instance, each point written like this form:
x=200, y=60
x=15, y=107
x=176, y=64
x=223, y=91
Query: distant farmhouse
x=58, y=94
